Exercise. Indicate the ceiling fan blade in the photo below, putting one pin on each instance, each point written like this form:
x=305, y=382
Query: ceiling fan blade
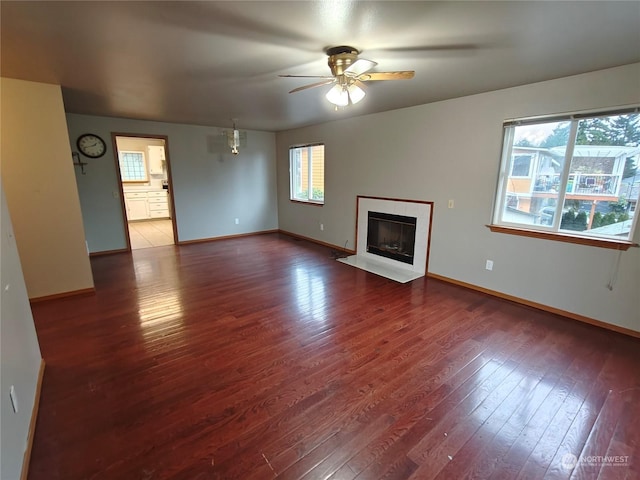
x=441, y=50
x=404, y=75
x=359, y=67
x=434, y=48
x=360, y=84
x=317, y=84
x=306, y=76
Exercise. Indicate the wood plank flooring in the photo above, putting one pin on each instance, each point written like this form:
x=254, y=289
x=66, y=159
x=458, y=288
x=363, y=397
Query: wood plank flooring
x=262, y=357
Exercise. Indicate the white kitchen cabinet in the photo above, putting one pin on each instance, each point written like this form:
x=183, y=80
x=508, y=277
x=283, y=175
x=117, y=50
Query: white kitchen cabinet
x=146, y=205
x=158, y=195
x=137, y=208
x=158, y=204
x=159, y=213
x=156, y=159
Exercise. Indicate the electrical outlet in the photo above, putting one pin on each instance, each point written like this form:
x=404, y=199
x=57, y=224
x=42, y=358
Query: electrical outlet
x=450, y=203
x=322, y=226
x=237, y=221
x=489, y=265
x=14, y=398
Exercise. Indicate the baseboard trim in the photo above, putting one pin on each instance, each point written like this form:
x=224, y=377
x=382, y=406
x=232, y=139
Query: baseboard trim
x=108, y=252
x=318, y=242
x=32, y=424
x=538, y=306
x=56, y=296
x=224, y=237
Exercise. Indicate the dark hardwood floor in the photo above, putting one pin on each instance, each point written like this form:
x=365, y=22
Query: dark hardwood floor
x=263, y=357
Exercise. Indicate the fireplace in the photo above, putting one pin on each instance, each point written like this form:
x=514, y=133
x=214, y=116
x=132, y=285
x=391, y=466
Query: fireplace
x=391, y=236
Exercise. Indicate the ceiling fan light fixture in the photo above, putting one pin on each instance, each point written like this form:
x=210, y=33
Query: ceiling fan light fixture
x=355, y=93
x=338, y=95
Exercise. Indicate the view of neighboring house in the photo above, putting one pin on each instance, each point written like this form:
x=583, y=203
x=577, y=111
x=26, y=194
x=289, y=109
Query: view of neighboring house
x=595, y=181
x=631, y=191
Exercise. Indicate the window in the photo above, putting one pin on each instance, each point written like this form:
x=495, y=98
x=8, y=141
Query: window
x=306, y=171
x=575, y=175
x=133, y=167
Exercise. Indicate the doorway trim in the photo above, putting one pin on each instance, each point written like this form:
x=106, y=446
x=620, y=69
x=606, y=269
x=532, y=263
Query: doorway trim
x=123, y=207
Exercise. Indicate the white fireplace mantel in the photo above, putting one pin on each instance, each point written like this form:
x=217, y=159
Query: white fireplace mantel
x=387, y=267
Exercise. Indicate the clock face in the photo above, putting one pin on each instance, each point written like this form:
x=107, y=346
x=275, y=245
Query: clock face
x=91, y=145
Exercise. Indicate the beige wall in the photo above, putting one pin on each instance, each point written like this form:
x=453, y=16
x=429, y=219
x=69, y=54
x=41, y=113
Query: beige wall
x=41, y=190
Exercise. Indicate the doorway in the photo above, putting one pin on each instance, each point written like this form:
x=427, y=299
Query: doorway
x=146, y=190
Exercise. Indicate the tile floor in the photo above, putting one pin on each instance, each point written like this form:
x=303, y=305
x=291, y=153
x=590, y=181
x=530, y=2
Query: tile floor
x=150, y=233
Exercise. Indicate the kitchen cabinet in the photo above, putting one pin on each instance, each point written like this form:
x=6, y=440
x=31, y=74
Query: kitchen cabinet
x=158, y=204
x=137, y=205
x=156, y=159
x=145, y=205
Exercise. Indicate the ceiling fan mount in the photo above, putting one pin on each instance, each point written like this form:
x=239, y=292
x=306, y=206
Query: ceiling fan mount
x=341, y=58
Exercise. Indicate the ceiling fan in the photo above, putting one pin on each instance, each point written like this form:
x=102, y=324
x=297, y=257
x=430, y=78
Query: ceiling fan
x=348, y=74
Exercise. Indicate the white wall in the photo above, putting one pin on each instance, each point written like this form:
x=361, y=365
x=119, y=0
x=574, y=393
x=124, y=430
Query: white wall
x=451, y=150
x=211, y=187
x=41, y=190
x=19, y=353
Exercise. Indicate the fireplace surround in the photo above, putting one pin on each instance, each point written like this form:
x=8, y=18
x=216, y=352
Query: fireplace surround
x=392, y=237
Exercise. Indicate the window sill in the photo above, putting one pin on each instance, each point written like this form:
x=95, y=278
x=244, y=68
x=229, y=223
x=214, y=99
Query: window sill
x=315, y=204
x=564, y=237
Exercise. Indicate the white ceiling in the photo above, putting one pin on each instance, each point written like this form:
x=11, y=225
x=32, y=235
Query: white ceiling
x=208, y=62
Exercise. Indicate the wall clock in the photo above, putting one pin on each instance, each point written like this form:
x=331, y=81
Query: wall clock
x=91, y=145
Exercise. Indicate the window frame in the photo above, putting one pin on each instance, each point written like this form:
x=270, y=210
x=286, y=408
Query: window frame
x=144, y=165
x=552, y=231
x=292, y=181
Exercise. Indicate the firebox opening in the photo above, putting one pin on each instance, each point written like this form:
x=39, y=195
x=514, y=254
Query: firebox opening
x=391, y=236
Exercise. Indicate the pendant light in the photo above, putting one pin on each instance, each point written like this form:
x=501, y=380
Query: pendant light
x=233, y=137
